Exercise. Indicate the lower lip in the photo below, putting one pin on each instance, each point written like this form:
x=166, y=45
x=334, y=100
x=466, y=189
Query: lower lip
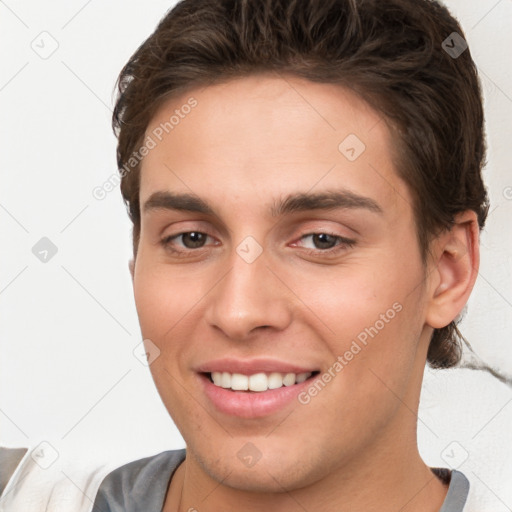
x=252, y=404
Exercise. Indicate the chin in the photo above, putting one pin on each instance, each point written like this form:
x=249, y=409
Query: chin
x=267, y=476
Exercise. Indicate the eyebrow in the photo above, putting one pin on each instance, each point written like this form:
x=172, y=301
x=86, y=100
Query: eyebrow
x=298, y=202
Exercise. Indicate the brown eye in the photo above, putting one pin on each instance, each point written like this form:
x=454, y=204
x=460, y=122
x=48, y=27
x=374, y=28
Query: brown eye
x=193, y=239
x=324, y=241
x=182, y=241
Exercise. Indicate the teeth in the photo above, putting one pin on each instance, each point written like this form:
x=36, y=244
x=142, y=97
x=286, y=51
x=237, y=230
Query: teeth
x=258, y=382
x=289, y=379
x=301, y=377
x=239, y=382
x=217, y=379
x=225, y=381
x=275, y=380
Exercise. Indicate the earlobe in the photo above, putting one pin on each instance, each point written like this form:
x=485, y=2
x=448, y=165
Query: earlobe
x=457, y=256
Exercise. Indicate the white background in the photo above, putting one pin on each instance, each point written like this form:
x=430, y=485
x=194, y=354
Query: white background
x=68, y=327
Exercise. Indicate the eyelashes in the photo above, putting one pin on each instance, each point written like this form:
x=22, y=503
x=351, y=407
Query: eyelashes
x=192, y=242
x=342, y=241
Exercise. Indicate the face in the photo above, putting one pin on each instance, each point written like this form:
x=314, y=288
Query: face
x=278, y=249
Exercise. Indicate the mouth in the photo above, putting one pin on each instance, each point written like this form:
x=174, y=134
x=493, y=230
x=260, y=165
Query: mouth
x=257, y=395
x=257, y=382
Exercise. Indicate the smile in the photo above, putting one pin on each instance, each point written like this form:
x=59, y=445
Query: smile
x=257, y=382
x=259, y=393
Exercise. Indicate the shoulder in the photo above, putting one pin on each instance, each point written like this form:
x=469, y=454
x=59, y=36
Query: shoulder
x=10, y=459
x=138, y=485
x=458, y=492
x=42, y=478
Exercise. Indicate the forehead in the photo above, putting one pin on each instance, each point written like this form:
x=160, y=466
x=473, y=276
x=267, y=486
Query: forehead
x=270, y=135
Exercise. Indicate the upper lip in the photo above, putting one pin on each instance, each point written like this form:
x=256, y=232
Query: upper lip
x=251, y=366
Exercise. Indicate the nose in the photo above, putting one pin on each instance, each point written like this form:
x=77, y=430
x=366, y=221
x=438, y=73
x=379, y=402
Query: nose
x=248, y=298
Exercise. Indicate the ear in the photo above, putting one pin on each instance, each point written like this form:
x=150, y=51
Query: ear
x=131, y=266
x=454, y=271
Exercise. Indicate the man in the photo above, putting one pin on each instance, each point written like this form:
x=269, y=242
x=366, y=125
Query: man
x=304, y=181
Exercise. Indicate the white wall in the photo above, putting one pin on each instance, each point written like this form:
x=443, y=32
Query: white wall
x=68, y=327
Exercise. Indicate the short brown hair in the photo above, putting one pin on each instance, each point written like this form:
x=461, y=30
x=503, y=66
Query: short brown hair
x=390, y=53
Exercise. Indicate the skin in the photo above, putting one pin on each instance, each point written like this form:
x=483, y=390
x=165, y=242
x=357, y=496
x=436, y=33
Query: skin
x=248, y=142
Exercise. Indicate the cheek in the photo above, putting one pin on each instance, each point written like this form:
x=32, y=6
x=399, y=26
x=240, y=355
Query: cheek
x=371, y=315
x=165, y=303
x=351, y=300
x=164, y=299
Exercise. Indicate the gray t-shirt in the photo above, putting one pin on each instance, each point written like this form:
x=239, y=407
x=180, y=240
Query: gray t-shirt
x=141, y=485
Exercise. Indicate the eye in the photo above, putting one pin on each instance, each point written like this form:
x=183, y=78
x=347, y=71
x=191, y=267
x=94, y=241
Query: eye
x=327, y=242
x=189, y=240
x=323, y=243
